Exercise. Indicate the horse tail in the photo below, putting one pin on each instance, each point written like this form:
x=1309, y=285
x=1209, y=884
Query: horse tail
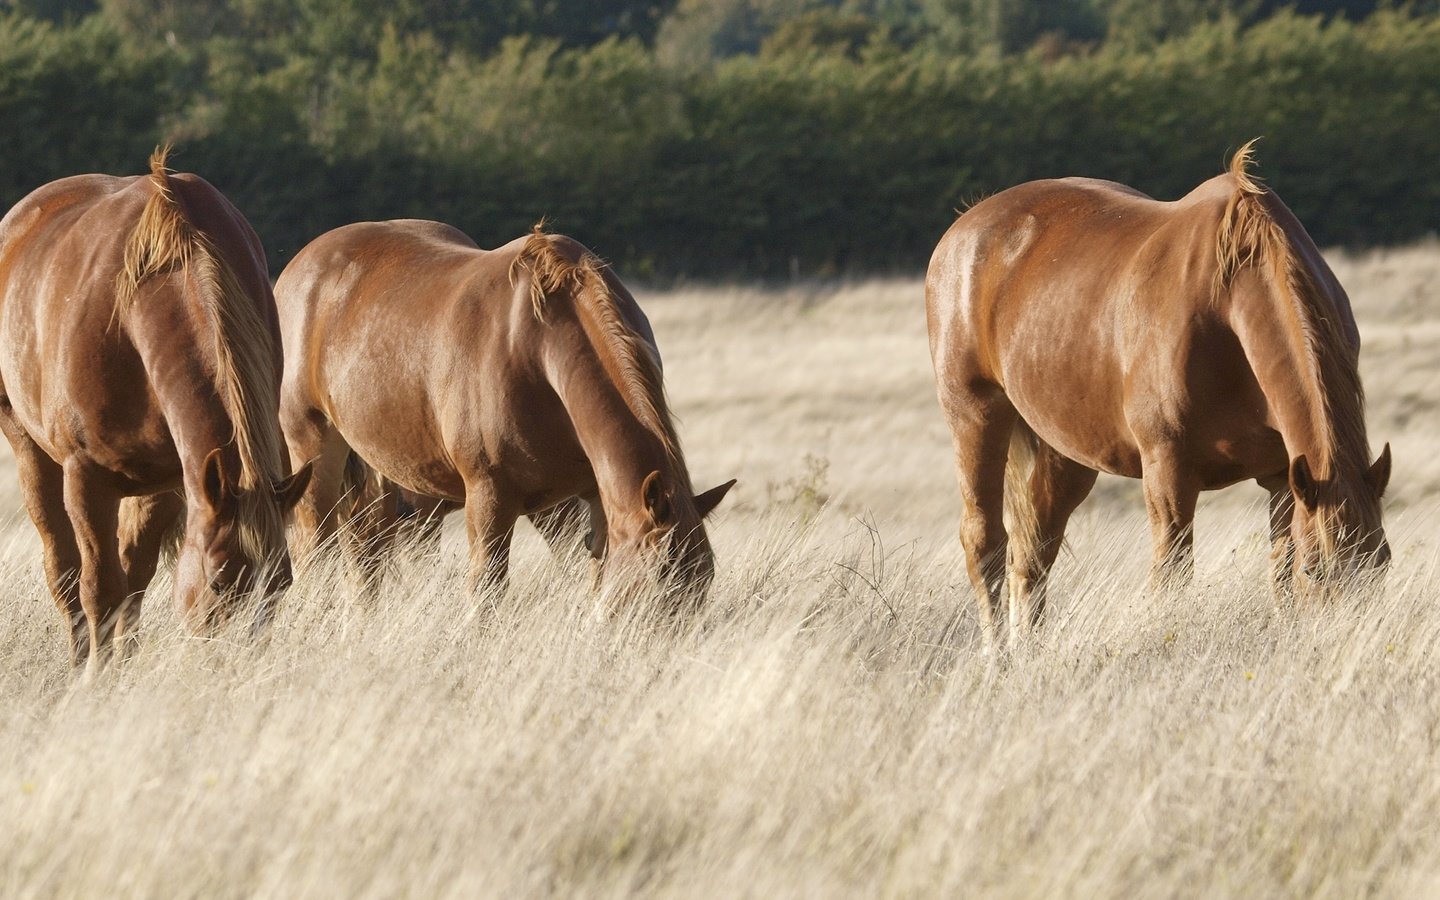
x=1023, y=524
x=166, y=240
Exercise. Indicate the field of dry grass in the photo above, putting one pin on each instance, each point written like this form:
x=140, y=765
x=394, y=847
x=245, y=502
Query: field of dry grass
x=808, y=734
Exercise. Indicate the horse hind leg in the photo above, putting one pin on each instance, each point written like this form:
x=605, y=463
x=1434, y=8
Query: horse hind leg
x=369, y=524
x=1055, y=488
x=423, y=517
x=315, y=521
x=490, y=526
x=564, y=526
x=980, y=424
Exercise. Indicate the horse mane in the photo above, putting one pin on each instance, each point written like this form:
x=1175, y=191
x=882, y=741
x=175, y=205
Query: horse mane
x=1250, y=236
x=552, y=272
x=165, y=241
x=1246, y=229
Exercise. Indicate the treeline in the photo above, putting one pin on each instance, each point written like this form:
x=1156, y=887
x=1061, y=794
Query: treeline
x=810, y=137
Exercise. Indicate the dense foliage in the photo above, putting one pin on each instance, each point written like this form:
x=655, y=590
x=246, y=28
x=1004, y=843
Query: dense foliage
x=726, y=136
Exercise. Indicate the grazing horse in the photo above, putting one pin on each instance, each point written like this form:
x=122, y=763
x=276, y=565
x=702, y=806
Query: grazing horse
x=1080, y=326
x=508, y=380
x=139, y=383
x=381, y=512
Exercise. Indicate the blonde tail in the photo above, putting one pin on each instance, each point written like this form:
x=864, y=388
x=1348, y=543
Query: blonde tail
x=1021, y=521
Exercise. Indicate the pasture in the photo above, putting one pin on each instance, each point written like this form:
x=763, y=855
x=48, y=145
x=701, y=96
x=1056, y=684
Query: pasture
x=809, y=733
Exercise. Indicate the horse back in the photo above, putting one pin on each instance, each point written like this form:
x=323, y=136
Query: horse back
x=1072, y=257
x=56, y=234
x=386, y=287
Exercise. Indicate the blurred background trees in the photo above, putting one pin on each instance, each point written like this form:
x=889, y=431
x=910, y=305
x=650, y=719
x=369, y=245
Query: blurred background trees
x=726, y=137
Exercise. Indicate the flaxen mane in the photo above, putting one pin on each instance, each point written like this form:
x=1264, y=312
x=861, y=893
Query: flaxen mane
x=1250, y=236
x=165, y=241
x=552, y=274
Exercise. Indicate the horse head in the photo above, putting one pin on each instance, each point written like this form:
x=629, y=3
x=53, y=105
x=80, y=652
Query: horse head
x=661, y=541
x=234, y=542
x=1336, y=528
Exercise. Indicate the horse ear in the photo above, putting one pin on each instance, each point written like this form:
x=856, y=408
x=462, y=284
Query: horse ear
x=705, y=503
x=1379, y=475
x=289, y=490
x=657, y=499
x=213, y=483
x=1302, y=482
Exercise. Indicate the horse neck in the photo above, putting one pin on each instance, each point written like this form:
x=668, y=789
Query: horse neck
x=177, y=346
x=188, y=310
x=622, y=449
x=1304, y=365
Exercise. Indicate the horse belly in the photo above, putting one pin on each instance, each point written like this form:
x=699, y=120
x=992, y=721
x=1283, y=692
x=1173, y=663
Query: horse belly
x=405, y=448
x=1074, y=401
x=1094, y=442
x=425, y=474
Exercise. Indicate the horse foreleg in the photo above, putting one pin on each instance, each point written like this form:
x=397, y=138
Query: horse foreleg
x=144, y=524
x=1171, y=493
x=94, y=510
x=490, y=525
x=1057, y=487
x=1282, y=548
x=42, y=482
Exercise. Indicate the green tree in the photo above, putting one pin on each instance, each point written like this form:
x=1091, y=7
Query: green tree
x=823, y=30
x=1009, y=26
x=75, y=100
x=1146, y=22
x=703, y=31
x=56, y=11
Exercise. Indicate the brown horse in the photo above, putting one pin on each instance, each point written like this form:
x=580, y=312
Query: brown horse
x=381, y=513
x=139, y=382
x=508, y=380
x=1192, y=344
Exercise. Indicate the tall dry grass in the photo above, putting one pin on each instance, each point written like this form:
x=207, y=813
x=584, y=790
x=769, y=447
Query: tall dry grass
x=808, y=734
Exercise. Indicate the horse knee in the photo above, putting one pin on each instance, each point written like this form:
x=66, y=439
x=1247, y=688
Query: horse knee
x=983, y=538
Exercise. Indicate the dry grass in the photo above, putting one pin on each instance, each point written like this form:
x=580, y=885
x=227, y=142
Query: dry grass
x=807, y=735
